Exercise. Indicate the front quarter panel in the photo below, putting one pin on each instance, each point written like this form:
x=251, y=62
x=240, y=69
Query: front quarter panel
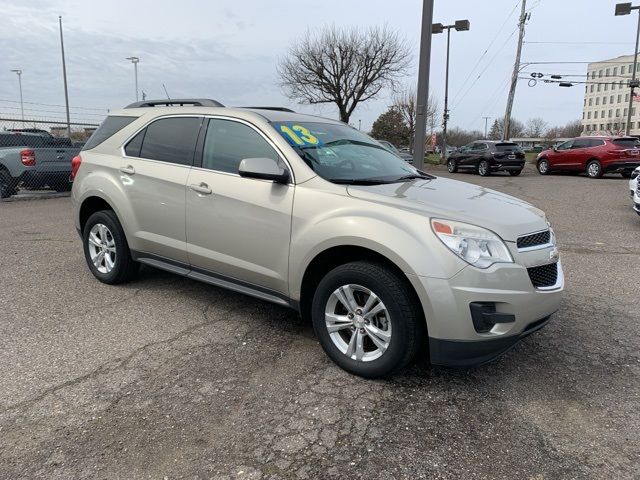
x=403, y=237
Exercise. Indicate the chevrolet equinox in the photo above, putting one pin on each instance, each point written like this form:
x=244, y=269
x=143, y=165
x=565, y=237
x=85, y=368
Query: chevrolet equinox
x=312, y=214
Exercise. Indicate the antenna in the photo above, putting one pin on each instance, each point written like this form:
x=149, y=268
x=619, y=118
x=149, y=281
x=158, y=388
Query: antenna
x=165, y=91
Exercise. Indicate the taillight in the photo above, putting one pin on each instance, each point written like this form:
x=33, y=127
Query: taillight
x=28, y=158
x=75, y=165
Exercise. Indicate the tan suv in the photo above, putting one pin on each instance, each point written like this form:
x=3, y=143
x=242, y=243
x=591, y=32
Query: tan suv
x=312, y=214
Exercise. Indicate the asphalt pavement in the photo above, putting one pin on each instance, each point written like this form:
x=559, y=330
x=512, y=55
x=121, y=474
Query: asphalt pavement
x=166, y=377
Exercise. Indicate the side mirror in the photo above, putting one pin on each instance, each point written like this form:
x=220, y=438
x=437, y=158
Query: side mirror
x=555, y=149
x=263, y=169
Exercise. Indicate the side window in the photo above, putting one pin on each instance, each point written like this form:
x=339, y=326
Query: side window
x=171, y=140
x=135, y=144
x=581, y=143
x=227, y=143
x=593, y=142
x=565, y=146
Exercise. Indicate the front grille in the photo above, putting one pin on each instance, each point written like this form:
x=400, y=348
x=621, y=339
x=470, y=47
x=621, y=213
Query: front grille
x=544, y=275
x=535, y=239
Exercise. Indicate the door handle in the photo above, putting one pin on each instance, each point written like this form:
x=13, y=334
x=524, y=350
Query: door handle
x=202, y=188
x=129, y=170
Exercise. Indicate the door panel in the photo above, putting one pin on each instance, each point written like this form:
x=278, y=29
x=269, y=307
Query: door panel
x=156, y=193
x=242, y=229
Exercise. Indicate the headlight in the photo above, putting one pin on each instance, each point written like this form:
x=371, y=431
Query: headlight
x=475, y=245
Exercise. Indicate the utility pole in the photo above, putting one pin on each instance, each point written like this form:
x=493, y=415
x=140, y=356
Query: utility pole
x=516, y=69
x=423, y=85
x=625, y=9
x=135, y=61
x=486, y=119
x=64, y=75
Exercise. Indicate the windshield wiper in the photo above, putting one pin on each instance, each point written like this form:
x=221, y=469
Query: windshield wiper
x=414, y=176
x=359, y=181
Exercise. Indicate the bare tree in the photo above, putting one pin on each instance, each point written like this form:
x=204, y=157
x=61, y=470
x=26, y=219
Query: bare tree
x=536, y=127
x=405, y=102
x=343, y=66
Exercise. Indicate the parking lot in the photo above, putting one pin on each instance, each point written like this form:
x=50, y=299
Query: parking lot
x=166, y=377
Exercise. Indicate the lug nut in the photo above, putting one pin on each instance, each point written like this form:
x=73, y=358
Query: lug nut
x=366, y=321
x=358, y=312
x=350, y=316
x=362, y=330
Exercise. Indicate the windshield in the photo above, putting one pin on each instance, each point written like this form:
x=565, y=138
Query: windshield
x=342, y=154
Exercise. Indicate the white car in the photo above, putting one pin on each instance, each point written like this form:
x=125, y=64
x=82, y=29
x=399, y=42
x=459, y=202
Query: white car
x=634, y=189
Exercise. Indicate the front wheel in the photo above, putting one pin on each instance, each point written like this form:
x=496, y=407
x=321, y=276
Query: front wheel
x=543, y=166
x=594, y=169
x=452, y=167
x=367, y=319
x=515, y=173
x=106, y=250
x=483, y=168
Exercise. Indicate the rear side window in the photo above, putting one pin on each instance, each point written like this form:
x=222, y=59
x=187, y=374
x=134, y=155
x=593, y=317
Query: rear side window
x=227, y=143
x=171, y=140
x=594, y=142
x=111, y=125
x=581, y=143
x=627, y=142
x=135, y=145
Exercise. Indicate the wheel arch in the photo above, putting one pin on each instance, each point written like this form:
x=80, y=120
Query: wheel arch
x=334, y=256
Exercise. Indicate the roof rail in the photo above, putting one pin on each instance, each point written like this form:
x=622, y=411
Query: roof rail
x=277, y=109
x=196, y=102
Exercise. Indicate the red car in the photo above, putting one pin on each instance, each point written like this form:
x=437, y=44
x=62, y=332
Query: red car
x=593, y=155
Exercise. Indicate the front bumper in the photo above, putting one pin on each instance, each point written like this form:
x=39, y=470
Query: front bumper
x=453, y=338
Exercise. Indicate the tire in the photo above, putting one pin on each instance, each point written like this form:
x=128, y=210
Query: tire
x=625, y=174
x=452, y=167
x=543, y=166
x=594, y=169
x=514, y=173
x=484, y=169
x=116, y=265
x=7, y=184
x=400, y=323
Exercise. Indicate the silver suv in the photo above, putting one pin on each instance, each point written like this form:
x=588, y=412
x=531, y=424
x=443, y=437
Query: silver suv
x=312, y=214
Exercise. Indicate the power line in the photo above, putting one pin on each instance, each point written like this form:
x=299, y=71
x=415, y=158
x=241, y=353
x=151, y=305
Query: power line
x=580, y=43
x=54, y=105
x=486, y=50
x=485, y=69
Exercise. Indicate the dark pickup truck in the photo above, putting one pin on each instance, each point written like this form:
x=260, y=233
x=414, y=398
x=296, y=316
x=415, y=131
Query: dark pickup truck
x=34, y=161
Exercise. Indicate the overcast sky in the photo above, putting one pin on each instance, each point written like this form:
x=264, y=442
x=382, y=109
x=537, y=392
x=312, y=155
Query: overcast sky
x=228, y=49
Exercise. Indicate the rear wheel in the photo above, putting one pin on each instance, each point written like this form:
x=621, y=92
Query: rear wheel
x=7, y=185
x=367, y=319
x=484, y=168
x=594, y=169
x=626, y=174
x=543, y=166
x=106, y=250
x=515, y=173
x=452, y=166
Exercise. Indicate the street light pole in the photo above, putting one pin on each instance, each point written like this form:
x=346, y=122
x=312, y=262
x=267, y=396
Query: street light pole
x=64, y=75
x=135, y=61
x=625, y=9
x=423, y=85
x=460, y=26
x=445, y=117
x=19, y=73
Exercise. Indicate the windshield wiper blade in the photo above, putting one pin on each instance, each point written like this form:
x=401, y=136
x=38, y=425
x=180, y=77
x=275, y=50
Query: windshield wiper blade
x=414, y=176
x=359, y=181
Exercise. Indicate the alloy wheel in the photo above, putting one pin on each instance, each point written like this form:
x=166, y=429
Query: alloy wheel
x=102, y=248
x=543, y=166
x=358, y=323
x=593, y=170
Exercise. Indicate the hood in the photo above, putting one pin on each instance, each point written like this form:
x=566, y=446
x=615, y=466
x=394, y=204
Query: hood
x=444, y=198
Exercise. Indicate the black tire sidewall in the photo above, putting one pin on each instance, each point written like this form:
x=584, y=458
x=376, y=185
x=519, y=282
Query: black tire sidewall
x=6, y=189
x=109, y=219
x=597, y=162
x=394, y=355
x=546, y=172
